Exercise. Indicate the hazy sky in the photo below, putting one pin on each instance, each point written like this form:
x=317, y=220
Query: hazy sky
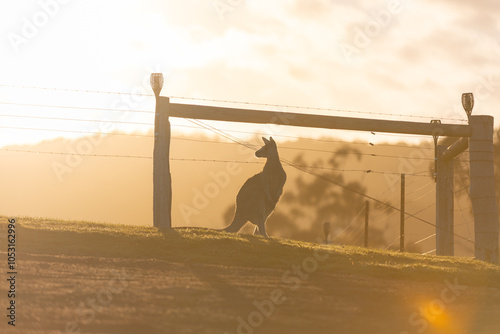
x=407, y=57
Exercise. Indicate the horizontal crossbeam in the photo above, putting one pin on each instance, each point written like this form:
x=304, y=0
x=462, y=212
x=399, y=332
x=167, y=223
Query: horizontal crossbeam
x=452, y=151
x=310, y=120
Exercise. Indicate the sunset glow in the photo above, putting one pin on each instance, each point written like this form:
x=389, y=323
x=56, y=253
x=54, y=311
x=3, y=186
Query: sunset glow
x=403, y=58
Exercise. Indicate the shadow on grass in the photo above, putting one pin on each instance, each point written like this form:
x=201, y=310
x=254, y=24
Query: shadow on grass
x=206, y=246
x=176, y=245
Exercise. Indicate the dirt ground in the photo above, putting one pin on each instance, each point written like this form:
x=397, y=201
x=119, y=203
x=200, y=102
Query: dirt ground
x=63, y=294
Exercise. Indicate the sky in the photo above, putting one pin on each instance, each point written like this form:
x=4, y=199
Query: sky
x=398, y=59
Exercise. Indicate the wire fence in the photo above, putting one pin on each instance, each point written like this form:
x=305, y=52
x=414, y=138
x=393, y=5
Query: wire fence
x=235, y=102
x=227, y=137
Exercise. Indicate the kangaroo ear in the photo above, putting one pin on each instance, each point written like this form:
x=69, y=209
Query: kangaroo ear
x=265, y=140
x=272, y=140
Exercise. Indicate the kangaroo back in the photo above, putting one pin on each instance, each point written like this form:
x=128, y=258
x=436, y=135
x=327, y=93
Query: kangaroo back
x=259, y=195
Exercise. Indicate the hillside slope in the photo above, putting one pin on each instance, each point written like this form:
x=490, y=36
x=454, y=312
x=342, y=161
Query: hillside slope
x=99, y=278
x=119, y=190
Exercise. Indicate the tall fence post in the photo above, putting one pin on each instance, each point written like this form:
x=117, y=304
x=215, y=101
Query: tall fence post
x=162, y=181
x=402, y=216
x=367, y=217
x=482, y=188
x=444, y=204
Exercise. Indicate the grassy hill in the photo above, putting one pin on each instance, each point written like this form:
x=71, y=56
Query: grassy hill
x=100, y=278
x=120, y=190
x=206, y=246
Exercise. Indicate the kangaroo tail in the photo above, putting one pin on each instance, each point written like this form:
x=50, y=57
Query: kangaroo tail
x=235, y=225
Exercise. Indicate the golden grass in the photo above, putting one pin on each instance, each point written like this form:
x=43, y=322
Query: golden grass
x=193, y=245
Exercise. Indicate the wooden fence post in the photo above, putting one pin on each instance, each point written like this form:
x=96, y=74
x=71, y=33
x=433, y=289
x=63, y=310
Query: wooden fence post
x=162, y=181
x=444, y=204
x=402, y=216
x=367, y=217
x=482, y=188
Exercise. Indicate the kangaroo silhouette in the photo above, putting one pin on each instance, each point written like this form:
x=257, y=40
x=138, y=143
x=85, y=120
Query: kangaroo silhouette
x=258, y=196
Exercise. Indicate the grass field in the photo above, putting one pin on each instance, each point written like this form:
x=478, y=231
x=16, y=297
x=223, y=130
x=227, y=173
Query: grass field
x=81, y=277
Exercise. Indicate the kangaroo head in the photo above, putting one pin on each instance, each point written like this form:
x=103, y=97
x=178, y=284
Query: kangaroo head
x=270, y=149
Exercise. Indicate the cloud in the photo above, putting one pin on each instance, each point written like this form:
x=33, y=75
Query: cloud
x=480, y=6
x=284, y=51
x=312, y=9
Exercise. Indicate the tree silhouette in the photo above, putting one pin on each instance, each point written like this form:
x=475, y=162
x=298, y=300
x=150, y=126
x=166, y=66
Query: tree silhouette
x=302, y=211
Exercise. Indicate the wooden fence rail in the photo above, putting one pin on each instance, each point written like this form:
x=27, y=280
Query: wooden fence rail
x=480, y=143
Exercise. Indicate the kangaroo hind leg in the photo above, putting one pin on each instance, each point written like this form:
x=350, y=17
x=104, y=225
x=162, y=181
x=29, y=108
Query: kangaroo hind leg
x=262, y=230
x=260, y=226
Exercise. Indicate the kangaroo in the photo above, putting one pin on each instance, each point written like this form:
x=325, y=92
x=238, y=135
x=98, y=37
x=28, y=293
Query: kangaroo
x=258, y=196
